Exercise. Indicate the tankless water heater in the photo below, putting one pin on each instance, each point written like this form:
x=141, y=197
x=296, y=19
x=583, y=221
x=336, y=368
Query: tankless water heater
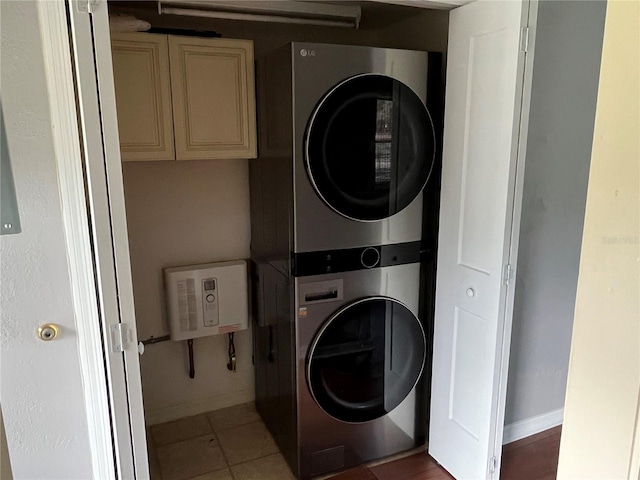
x=207, y=299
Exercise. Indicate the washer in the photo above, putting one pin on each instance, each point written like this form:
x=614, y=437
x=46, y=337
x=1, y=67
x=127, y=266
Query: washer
x=340, y=362
x=360, y=354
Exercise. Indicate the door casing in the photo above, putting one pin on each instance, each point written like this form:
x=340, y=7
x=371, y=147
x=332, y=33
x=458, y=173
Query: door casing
x=97, y=113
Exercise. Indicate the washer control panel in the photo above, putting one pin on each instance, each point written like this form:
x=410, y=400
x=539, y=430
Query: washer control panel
x=370, y=257
x=351, y=259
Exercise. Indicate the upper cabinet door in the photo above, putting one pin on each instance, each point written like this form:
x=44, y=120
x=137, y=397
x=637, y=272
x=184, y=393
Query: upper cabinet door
x=482, y=133
x=143, y=96
x=213, y=98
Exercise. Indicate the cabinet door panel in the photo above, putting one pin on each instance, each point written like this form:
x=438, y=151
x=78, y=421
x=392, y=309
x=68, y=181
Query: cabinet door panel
x=143, y=96
x=213, y=98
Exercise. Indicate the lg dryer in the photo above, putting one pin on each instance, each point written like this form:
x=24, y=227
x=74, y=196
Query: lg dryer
x=351, y=138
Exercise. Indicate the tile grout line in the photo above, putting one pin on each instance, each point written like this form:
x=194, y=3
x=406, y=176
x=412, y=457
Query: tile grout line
x=261, y=421
x=277, y=452
x=224, y=455
x=257, y=458
x=189, y=439
x=215, y=433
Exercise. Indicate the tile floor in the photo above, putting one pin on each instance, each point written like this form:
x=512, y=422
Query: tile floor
x=227, y=444
x=234, y=444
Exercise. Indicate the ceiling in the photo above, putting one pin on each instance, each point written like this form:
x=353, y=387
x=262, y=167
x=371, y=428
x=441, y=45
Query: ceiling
x=375, y=14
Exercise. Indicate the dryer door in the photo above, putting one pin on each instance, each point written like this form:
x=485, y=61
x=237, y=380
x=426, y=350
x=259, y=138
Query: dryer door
x=369, y=147
x=366, y=359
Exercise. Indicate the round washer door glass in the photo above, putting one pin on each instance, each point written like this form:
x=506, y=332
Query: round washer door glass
x=366, y=359
x=370, y=147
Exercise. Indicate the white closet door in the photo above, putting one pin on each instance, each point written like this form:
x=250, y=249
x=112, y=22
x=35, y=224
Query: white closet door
x=482, y=124
x=91, y=45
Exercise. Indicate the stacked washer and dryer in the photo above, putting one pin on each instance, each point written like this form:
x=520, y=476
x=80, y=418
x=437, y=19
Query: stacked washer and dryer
x=344, y=202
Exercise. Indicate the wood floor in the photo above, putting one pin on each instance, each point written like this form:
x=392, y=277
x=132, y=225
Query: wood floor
x=532, y=458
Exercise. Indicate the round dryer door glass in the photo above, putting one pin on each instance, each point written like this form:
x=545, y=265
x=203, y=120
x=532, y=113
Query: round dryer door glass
x=370, y=147
x=366, y=359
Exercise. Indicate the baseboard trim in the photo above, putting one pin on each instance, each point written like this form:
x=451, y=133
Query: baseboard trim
x=530, y=426
x=174, y=412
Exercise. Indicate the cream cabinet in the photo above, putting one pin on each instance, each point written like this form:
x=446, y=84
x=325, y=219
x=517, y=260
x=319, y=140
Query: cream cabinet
x=213, y=97
x=143, y=96
x=184, y=98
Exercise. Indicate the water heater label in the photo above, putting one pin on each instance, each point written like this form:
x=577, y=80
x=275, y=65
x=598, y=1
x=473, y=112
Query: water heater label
x=187, y=305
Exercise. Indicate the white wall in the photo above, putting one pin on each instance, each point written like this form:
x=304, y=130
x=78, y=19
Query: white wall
x=604, y=373
x=5, y=461
x=563, y=100
x=186, y=213
x=41, y=391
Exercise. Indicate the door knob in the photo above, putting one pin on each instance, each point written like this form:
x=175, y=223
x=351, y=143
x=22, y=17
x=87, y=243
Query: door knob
x=48, y=332
x=471, y=292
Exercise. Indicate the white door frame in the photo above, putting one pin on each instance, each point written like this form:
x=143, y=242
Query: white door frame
x=514, y=224
x=102, y=291
x=82, y=103
x=64, y=123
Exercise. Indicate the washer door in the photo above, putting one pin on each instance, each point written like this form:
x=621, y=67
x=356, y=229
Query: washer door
x=370, y=147
x=366, y=359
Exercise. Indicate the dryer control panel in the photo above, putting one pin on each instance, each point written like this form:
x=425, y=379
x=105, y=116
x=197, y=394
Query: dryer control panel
x=351, y=259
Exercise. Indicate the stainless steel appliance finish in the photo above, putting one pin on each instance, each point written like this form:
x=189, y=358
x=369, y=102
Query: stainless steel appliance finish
x=354, y=123
x=315, y=74
x=379, y=408
x=340, y=365
x=339, y=350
